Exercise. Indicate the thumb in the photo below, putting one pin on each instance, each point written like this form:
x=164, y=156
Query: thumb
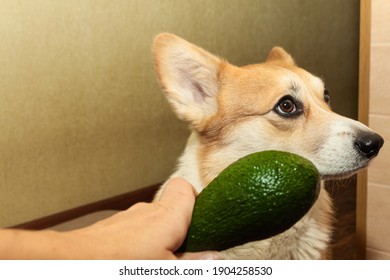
x=205, y=255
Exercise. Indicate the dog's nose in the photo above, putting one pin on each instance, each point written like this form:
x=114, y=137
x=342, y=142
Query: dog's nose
x=369, y=144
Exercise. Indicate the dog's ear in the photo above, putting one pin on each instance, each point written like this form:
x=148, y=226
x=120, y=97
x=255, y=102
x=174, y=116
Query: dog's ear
x=278, y=54
x=188, y=76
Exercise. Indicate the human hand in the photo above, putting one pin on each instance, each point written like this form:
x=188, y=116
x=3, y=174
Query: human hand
x=146, y=230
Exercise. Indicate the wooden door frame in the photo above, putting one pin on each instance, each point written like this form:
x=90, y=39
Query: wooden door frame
x=363, y=112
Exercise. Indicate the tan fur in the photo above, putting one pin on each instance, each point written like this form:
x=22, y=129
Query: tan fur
x=232, y=113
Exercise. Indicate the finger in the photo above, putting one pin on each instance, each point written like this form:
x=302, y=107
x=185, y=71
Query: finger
x=206, y=255
x=179, y=197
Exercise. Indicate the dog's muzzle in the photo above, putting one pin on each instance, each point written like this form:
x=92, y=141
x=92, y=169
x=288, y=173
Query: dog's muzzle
x=369, y=144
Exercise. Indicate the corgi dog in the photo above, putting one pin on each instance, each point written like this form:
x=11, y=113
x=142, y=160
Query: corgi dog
x=235, y=111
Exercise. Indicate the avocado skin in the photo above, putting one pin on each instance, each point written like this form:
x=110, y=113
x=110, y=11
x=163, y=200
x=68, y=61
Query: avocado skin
x=256, y=197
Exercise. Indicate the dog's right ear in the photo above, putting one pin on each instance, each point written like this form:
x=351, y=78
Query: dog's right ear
x=278, y=54
x=188, y=76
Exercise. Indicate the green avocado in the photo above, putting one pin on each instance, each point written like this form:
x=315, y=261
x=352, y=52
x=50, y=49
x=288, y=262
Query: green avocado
x=256, y=197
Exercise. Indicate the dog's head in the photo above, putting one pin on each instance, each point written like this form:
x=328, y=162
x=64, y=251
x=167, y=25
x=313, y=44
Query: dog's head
x=276, y=105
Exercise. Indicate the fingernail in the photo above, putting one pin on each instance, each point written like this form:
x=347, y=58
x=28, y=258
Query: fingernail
x=210, y=256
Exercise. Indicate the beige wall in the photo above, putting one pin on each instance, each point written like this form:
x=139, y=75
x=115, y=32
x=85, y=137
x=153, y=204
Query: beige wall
x=378, y=205
x=81, y=115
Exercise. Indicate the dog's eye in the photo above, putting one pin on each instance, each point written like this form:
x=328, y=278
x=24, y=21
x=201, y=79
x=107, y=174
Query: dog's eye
x=327, y=96
x=287, y=107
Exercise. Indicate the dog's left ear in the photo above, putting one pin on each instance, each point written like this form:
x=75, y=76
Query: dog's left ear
x=278, y=54
x=189, y=77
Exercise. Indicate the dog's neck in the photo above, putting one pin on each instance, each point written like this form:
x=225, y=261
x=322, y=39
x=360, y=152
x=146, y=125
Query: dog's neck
x=188, y=166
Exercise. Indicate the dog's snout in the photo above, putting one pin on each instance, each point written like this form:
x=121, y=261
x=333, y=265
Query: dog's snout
x=369, y=144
